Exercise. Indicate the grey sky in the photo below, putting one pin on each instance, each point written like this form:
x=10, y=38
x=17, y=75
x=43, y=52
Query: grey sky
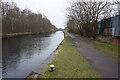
x=52, y=9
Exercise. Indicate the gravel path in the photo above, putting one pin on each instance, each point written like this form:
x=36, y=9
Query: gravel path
x=103, y=64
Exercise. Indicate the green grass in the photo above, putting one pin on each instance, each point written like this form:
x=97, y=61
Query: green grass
x=70, y=64
x=15, y=34
x=109, y=49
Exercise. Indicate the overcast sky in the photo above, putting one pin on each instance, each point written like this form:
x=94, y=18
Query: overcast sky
x=55, y=10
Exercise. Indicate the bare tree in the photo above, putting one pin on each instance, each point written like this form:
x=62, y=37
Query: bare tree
x=15, y=20
x=86, y=14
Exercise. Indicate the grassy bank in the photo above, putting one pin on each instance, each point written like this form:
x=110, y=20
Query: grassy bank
x=70, y=64
x=109, y=49
x=14, y=34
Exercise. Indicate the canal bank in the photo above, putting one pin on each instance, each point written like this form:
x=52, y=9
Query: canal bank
x=12, y=35
x=37, y=73
x=68, y=63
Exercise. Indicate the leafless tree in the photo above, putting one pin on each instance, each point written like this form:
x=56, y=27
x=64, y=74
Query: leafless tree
x=86, y=14
x=15, y=20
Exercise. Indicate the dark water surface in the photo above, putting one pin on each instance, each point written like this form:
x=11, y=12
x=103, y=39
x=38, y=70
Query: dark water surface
x=22, y=55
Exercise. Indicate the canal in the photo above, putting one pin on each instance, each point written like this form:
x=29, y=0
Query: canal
x=22, y=55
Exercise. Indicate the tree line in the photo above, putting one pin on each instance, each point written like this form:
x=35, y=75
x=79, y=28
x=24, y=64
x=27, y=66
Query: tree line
x=15, y=20
x=83, y=16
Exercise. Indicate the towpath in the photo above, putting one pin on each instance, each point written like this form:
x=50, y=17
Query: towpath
x=100, y=62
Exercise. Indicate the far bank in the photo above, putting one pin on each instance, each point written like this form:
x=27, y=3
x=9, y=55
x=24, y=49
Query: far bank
x=12, y=35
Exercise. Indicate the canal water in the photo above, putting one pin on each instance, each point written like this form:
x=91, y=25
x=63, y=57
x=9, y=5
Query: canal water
x=22, y=55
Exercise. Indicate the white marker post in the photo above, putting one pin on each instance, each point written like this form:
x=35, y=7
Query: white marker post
x=52, y=68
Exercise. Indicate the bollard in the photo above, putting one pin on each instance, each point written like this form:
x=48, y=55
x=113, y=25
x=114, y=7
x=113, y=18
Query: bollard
x=52, y=68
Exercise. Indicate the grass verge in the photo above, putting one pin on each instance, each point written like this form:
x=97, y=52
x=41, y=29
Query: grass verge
x=70, y=64
x=109, y=49
x=15, y=34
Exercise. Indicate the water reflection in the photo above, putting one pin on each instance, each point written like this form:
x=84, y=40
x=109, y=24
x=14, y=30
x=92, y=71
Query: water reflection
x=21, y=55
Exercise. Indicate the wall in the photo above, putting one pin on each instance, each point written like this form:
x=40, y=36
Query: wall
x=109, y=39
